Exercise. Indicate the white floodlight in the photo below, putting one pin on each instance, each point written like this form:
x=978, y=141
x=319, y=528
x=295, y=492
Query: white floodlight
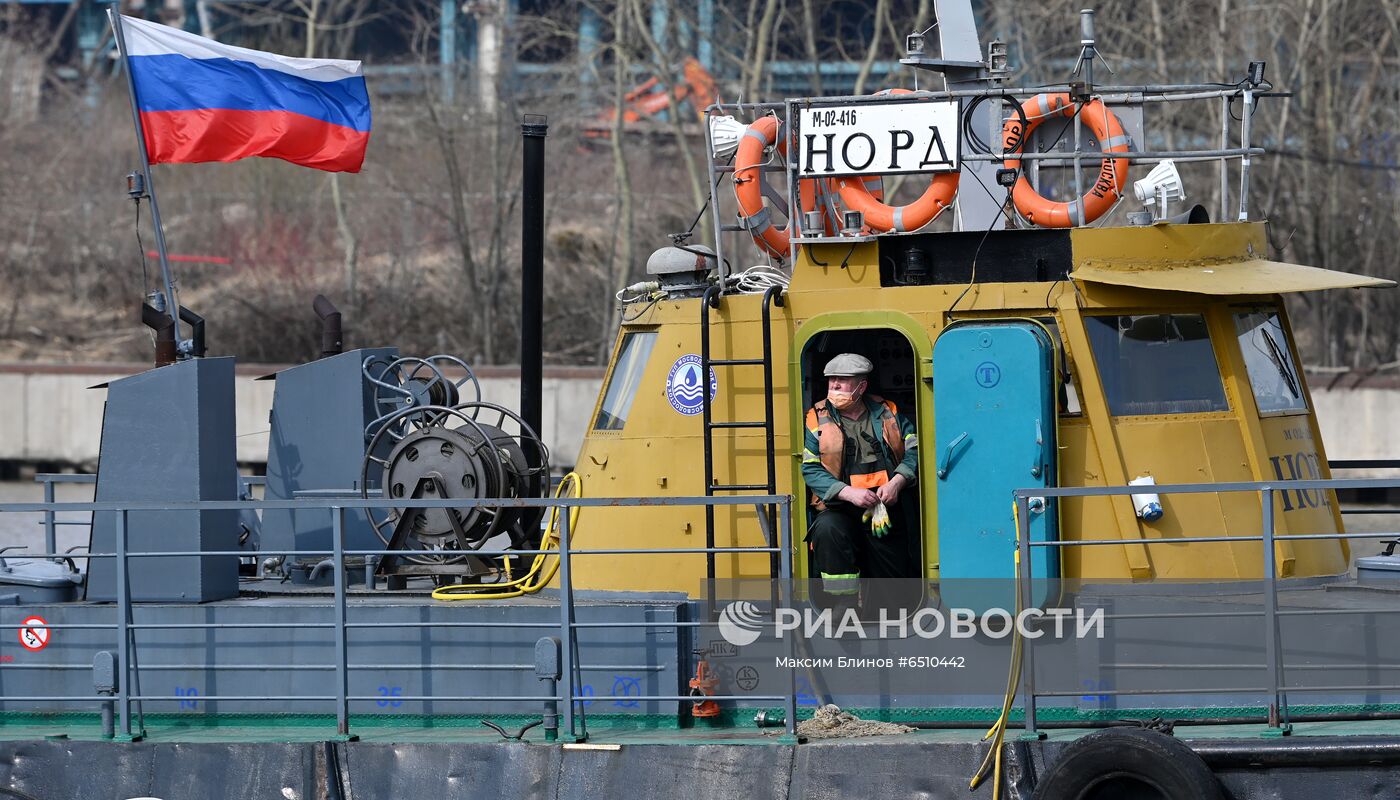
x=725, y=133
x=1162, y=183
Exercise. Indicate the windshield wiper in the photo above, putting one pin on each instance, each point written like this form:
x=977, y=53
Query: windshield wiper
x=1280, y=360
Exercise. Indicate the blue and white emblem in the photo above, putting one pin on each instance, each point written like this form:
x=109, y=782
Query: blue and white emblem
x=683, y=385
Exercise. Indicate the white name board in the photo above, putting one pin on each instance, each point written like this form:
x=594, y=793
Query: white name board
x=878, y=138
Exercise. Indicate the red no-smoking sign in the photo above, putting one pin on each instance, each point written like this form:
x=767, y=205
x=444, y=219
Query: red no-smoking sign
x=34, y=634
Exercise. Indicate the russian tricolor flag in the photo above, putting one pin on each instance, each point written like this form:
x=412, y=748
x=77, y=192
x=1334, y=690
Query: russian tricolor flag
x=200, y=100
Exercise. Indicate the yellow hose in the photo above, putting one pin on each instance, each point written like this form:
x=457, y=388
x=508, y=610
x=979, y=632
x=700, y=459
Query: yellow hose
x=992, y=761
x=539, y=575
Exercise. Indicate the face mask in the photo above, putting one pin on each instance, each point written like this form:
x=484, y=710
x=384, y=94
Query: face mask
x=841, y=400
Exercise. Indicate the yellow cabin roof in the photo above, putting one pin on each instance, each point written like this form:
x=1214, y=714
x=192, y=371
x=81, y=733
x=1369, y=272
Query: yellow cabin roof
x=1217, y=277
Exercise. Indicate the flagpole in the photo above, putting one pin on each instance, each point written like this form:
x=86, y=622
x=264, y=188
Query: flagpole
x=116, y=19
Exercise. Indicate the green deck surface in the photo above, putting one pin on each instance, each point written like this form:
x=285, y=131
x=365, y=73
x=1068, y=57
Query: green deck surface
x=619, y=729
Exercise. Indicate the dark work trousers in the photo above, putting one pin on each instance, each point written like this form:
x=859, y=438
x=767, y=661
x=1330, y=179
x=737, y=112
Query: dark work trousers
x=847, y=560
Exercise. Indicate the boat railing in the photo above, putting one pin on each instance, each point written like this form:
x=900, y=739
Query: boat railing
x=568, y=693
x=1236, y=143
x=1270, y=494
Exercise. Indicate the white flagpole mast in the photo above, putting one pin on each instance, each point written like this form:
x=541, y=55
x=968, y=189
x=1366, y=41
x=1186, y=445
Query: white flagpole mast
x=170, y=304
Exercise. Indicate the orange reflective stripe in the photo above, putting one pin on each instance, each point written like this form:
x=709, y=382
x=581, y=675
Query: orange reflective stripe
x=889, y=428
x=832, y=444
x=871, y=481
x=831, y=441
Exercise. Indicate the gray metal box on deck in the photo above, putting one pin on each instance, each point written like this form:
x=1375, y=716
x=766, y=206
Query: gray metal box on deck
x=1378, y=569
x=168, y=436
x=319, y=414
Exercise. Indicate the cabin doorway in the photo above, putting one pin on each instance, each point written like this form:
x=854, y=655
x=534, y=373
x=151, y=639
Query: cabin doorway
x=898, y=577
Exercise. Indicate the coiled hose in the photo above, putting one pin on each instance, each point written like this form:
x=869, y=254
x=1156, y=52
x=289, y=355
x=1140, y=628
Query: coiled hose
x=542, y=569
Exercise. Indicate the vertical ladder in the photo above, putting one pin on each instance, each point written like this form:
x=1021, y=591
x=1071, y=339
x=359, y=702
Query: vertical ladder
x=712, y=299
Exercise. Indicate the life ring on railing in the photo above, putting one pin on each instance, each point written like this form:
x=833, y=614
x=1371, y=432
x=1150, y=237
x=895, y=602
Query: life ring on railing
x=938, y=197
x=1113, y=172
x=814, y=194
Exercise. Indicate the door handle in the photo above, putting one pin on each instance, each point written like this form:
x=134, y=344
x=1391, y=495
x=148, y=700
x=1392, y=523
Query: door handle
x=1039, y=462
x=951, y=452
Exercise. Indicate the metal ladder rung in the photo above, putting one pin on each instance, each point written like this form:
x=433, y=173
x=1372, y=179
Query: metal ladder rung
x=772, y=296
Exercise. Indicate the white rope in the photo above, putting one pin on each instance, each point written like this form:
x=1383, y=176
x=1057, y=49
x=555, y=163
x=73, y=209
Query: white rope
x=758, y=279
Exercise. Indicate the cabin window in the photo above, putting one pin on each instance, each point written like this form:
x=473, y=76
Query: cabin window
x=1273, y=375
x=626, y=378
x=1156, y=364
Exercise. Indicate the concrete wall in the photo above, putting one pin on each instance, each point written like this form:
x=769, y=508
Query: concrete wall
x=1359, y=423
x=51, y=413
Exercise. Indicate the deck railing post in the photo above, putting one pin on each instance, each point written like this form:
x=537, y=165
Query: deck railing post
x=342, y=671
x=50, y=532
x=1023, y=575
x=566, y=621
x=1271, y=637
x=785, y=597
x=123, y=630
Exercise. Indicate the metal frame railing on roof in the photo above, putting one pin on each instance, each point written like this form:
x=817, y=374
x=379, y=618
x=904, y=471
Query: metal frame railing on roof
x=1111, y=95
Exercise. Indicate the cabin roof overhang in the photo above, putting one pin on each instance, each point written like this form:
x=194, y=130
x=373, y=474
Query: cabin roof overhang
x=1220, y=259
x=1220, y=277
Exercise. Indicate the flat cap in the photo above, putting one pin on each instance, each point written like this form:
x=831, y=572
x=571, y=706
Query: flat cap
x=848, y=364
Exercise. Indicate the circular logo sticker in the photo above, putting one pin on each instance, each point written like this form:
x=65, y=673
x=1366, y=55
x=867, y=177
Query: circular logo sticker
x=988, y=374
x=684, y=388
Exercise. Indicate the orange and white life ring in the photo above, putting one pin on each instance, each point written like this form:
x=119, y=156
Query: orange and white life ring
x=814, y=194
x=938, y=197
x=1113, y=172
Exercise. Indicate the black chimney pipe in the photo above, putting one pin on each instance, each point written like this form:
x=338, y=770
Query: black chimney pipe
x=332, y=337
x=196, y=323
x=534, y=128
x=164, y=326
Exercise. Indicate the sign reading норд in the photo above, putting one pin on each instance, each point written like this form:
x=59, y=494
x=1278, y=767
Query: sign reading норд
x=878, y=138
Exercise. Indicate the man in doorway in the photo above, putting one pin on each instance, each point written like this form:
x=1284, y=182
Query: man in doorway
x=859, y=453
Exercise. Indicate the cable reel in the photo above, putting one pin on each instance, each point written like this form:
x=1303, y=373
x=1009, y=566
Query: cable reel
x=469, y=451
x=412, y=383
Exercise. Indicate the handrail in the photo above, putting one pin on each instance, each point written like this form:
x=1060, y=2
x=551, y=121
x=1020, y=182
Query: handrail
x=128, y=690
x=569, y=692
x=1277, y=700
x=1221, y=95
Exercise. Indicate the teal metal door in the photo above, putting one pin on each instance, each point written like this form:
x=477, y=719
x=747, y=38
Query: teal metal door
x=994, y=425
